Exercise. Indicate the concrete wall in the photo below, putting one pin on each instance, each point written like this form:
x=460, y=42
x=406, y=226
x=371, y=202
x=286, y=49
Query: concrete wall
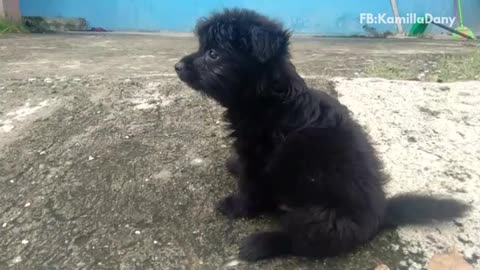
x=308, y=16
x=10, y=9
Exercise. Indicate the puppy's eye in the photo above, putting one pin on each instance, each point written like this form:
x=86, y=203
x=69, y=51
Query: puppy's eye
x=213, y=54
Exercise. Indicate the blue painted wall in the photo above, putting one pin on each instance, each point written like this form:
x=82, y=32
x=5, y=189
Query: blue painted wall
x=341, y=17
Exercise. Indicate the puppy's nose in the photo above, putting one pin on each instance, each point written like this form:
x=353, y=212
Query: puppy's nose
x=179, y=66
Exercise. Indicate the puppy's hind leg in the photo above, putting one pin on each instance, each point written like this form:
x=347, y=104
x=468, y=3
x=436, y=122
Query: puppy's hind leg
x=315, y=232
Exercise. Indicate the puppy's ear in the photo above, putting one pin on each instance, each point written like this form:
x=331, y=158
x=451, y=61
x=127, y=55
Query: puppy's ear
x=265, y=44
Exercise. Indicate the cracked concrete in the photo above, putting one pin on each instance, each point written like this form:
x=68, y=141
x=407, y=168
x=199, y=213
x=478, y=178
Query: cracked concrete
x=107, y=161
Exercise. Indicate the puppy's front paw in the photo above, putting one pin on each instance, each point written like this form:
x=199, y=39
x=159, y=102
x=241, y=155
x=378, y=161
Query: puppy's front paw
x=265, y=245
x=235, y=206
x=234, y=167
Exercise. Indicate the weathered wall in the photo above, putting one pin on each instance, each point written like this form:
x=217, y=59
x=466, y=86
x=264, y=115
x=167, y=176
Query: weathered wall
x=10, y=9
x=307, y=16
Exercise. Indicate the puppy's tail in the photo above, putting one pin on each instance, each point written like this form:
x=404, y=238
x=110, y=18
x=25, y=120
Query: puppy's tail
x=412, y=209
x=321, y=232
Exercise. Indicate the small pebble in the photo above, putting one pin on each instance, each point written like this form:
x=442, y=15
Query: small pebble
x=444, y=88
x=137, y=232
x=431, y=238
x=27, y=204
x=24, y=241
x=197, y=161
x=90, y=158
x=469, y=254
x=17, y=259
x=413, y=250
x=232, y=263
x=415, y=266
x=464, y=238
x=4, y=225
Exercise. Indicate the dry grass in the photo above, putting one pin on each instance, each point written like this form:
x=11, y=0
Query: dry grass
x=440, y=68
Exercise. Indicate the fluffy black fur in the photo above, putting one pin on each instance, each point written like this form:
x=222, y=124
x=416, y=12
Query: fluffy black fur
x=294, y=146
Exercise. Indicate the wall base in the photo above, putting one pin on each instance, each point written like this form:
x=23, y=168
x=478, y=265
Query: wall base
x=10, y=9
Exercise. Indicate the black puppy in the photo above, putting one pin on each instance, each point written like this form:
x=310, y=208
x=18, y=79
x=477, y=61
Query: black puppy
x=296, y=147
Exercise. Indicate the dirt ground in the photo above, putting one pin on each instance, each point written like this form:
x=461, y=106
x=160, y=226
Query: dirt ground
x=107, y=161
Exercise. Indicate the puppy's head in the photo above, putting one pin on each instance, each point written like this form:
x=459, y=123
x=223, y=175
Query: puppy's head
x=236, y=48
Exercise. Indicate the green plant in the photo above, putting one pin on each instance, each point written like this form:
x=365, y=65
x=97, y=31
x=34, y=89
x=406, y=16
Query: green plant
x=7, y=26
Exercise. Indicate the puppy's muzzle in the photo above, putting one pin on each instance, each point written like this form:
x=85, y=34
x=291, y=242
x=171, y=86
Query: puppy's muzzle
x=180, y=66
